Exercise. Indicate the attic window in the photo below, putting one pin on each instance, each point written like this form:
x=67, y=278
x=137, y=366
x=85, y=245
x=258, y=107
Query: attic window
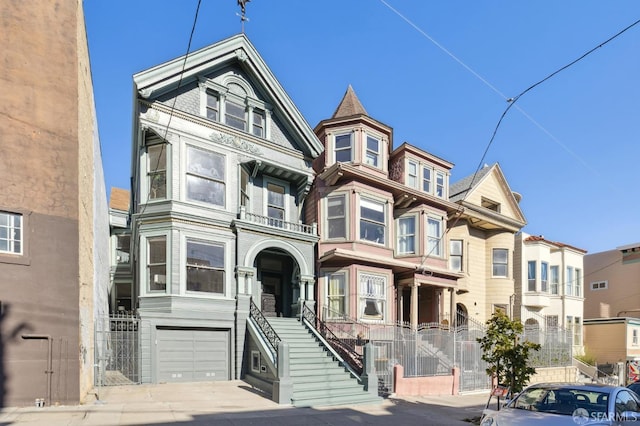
x=491, y=205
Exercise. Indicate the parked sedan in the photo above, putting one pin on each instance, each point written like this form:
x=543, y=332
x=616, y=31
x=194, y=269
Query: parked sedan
x=571, y=404
x=635, y=386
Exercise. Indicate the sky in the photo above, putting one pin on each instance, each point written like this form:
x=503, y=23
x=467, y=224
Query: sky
x=440, y=73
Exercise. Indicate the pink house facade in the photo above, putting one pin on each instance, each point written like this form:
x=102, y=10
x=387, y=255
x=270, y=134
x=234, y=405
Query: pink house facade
x=382, y=215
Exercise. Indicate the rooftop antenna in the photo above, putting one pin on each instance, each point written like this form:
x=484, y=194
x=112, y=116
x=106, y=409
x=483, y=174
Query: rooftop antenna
x=243, y=18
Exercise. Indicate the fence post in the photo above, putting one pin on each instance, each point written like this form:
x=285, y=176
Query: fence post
x=369, y=376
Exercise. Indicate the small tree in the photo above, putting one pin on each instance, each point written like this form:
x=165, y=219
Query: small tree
x=506, y=355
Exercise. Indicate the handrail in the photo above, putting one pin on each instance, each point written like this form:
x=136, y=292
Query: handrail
x=344, y=348
x=267, y=330
x=330, y=317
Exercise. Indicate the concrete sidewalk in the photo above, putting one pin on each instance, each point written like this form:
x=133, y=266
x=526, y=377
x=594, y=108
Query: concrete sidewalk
x=236, y=403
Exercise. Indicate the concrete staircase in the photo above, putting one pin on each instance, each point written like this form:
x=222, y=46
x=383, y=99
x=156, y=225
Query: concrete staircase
x=317, y=377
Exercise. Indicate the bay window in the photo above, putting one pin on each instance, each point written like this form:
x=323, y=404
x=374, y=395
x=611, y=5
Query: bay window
x=412, y=174
x=440, y=184
x=532, y=265
x=373, y=151
x=569, y=281
x=455, y=255
x=544, y=273
x=554, y=271
x=157, y=171
x=426, y=179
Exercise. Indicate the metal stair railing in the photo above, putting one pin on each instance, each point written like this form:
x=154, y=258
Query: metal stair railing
x=343, y=347
x=265, y=328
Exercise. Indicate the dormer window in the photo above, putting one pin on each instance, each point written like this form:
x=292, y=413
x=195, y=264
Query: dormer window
x=343, y=150
x=235, y=105
x=373, y=151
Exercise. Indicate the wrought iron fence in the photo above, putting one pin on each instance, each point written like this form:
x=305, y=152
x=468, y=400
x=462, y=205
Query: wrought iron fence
x=556, y=346
x=117, y=354
x=267, y=330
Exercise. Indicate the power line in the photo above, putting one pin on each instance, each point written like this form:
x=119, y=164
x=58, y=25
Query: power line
x=175, y=98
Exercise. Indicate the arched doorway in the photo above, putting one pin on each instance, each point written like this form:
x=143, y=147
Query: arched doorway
x=277, y=278
x=462, y=316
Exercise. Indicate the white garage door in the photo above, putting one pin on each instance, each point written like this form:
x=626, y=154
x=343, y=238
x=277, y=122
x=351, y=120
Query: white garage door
x=192, y=354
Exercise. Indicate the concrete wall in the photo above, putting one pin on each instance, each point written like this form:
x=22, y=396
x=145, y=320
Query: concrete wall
x=47, y=128
x=432, y=385
x=555, y=374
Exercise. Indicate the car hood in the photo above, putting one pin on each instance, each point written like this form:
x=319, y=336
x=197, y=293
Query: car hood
x=517, y=417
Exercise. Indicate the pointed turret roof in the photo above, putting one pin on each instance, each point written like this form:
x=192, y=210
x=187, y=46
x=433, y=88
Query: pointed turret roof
x=350, y=105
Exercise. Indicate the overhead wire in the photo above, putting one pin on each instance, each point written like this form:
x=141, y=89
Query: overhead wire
x=511, y=101
x=173, y=105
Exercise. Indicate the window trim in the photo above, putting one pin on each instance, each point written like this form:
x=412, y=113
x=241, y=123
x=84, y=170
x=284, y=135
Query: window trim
x=367, y=151
x=344, y=217
x=190, y=239
x=384, y=224
x=328, y=274
x=362, y=297
x=144, y=269
x=24, y=258
x=599, y=287
x=494, y=263
x=350, y=148
x=285, y=196
x=439, y=240
x=414, y=235
x=221, y=181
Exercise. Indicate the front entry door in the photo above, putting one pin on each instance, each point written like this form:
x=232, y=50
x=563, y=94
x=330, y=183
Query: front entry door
x=271, y=295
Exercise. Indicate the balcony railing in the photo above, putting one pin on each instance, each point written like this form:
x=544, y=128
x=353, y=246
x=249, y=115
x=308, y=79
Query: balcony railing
x=278, y=223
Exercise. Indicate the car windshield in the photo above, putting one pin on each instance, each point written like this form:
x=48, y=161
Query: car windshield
x=562, y=400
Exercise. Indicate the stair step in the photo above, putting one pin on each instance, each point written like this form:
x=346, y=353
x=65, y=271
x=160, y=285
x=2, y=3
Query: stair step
x=342, y=384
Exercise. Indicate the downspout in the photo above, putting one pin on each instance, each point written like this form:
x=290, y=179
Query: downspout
x=49, y=370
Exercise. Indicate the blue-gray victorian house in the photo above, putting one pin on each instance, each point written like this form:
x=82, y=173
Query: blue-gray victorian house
x=220, y=174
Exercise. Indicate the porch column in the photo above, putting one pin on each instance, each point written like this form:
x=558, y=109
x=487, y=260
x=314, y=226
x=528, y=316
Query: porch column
x=441, y=315
x=452, y=307
x=307, y=290
x=414, y=305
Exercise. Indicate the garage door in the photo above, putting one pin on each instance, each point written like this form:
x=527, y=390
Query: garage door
x=192, y=354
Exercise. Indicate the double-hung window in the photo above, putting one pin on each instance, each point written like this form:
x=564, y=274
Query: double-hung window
x=569, y=281
x=213, y=106
x=336, y=295
x=234, y=115
x=157, y=171
x=258, y=122
x=412, y=174
x=10, y=233
x=275, y=204
x=205, y=176
x=554, y=272
x=500, y=262
x=336, y=217
x=455, y=255
x=434, y=237
x=205, y=267
x=531, y=273
x=244, y=187
x=372, y=296
x=343, y=149
x=157, y=264
x=407, y=235
x=544, y=274
x=373, y=151
x=440, y=184
x=372, y=221
x=577, y=283
x=426, y=179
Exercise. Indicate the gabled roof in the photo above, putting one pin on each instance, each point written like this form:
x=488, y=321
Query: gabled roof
x=237, y=49
x=350, y=105
x=460, y=192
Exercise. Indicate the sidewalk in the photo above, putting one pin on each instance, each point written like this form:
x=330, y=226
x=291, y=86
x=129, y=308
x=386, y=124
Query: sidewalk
x=236, y=403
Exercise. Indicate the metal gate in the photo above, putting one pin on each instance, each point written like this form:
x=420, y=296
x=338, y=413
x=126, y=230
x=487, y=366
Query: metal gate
x=117, y=349
x=473, y=374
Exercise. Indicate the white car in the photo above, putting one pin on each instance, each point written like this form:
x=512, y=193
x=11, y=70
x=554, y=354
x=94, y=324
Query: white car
x=551, y=404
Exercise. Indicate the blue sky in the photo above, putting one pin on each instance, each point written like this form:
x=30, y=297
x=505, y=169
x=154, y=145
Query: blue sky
x=438, y=73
